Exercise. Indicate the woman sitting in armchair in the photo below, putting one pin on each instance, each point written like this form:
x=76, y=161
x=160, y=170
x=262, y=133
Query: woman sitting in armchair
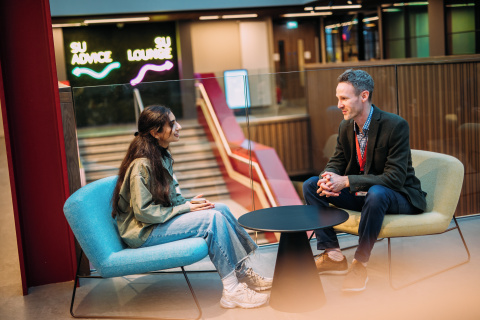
x=150, y=210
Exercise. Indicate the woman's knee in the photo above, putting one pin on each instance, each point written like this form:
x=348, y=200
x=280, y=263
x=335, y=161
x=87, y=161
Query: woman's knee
x=208, y=220
x=203, y=217
x=216, y=215
x=223, y=209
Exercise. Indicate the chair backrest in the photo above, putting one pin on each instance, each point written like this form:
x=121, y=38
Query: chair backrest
x=88, y=212
x=441, y=176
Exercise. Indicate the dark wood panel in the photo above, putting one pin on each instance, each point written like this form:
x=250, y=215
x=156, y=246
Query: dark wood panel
x=286, y=45
x=71, y=153
x=290, y=139
x=441, y=105
x=70, y=137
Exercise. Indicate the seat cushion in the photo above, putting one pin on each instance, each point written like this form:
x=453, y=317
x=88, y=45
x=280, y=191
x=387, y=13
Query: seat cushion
x=441, y=176
x=400, y=225
x=165, y=256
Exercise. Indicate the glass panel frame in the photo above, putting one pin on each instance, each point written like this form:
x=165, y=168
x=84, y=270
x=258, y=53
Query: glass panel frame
x=265, y=151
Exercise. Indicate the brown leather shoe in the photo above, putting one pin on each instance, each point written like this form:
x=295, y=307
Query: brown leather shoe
x=356, y=279
x=325, y=265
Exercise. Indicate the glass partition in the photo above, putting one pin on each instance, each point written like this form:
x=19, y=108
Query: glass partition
x=259, y=154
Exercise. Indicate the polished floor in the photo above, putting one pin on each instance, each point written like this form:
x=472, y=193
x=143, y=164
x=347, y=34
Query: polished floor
x=449, y=295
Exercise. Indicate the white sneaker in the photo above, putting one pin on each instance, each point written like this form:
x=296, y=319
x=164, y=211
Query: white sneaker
x=243, y=297
x=256, y=281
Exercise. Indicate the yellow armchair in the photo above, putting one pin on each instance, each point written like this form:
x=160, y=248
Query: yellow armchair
x=441, y=176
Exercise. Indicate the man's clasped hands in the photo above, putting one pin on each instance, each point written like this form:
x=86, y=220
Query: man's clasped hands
x=331, y=184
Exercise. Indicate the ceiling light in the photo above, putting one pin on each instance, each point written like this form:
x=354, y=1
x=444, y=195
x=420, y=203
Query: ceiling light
x=410, y=4
x=239, y=16
x=392, y=10
x=370, y=19
x=460, y=5
x=65, y=25
x=117, y=20
x=343, y=24
x=209, y=17
x=353, y=6
x=306, y=14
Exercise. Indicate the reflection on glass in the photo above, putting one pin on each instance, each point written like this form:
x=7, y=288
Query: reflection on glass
x=237, y=89
x=460, y=25
x=406, y=31
x=287, y=134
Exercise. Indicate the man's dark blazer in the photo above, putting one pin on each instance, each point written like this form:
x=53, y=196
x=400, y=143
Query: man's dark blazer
x=389, y=159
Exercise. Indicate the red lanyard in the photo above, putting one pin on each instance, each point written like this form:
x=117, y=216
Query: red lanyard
x=361, y=159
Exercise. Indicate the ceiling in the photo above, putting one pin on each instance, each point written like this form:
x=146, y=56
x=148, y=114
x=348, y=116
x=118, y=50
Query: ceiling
x=76, y=12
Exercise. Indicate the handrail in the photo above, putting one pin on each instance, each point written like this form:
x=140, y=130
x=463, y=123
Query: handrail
x=138, y=103
x=208, y=111
x=393, y=62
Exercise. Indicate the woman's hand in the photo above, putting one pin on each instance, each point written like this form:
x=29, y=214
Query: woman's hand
x=198, y=203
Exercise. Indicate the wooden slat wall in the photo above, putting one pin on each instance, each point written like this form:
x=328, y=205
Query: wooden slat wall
x=438, y=97
x=289, y=136
x=438, y=101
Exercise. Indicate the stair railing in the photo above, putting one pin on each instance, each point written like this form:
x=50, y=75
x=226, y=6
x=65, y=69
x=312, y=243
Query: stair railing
x=262, y=189
x=138, y=103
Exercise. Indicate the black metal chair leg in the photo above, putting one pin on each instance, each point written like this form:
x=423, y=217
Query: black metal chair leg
x=390, y=273
x=193, y=294
x=463, y=239
x=76, y=282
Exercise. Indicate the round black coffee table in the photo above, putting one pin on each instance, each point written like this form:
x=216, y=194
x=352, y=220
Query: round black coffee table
x=296, y=284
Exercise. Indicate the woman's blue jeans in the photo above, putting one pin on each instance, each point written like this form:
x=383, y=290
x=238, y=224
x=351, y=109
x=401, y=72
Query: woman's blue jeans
x=228, y=243
x=379, y=201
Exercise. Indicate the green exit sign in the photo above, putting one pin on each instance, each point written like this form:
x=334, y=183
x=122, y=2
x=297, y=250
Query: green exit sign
x=292, y=25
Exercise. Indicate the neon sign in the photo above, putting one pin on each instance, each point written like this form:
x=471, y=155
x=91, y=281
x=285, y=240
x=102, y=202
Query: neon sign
x=97, y=75
x=80, y=56
x=156, y=56
x=162, y=50
x=150, y=67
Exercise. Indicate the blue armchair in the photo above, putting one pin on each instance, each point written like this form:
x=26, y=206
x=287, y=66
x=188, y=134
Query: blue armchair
x=88, y=212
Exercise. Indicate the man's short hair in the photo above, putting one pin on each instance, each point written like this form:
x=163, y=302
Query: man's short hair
x=360, y=80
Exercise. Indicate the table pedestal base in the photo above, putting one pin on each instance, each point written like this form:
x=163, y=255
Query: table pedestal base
x=296, y=284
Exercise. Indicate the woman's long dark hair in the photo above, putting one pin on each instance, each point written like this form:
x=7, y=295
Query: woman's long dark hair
x=144, y=145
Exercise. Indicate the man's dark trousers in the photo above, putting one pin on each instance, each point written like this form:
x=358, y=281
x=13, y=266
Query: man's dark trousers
x=379, y=201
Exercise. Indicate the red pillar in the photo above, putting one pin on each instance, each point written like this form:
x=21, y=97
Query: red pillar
x=34, y=139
